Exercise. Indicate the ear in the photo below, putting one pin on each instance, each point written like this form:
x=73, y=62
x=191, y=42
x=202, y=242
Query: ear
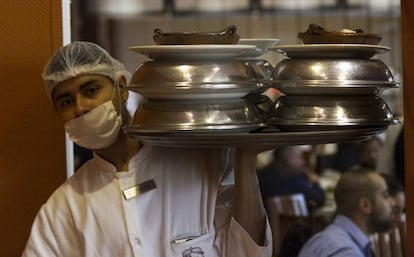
x=122, y=86
x=365, y=205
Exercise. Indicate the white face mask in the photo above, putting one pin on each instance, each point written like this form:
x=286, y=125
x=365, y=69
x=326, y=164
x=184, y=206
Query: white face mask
x=97, y=129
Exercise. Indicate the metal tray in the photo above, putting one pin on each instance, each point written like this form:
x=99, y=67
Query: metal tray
x=307, y=125
x=270, y=137
x=324, y=88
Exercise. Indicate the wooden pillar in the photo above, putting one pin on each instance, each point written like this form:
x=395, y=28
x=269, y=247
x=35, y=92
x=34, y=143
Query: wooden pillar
x=32, y=146
x=407, y=39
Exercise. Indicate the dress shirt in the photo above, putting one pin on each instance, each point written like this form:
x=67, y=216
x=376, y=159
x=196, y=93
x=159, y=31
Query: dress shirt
x=340, y=239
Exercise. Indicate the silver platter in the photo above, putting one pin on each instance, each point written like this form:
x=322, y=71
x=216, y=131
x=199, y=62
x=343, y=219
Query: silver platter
x=346, y=51
x=265, y=138
x=318, y=125
x=193, y=129
x=190, y=91
x=324, y=88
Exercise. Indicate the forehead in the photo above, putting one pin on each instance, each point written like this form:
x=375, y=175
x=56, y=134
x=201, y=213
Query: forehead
x=73, y=84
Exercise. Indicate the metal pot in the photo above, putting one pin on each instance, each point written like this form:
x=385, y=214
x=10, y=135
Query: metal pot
x=307, y=113
x=198, y=80
x=233, y=115
x=332, y=71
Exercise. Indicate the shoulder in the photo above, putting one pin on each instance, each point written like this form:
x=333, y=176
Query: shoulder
x=91, y=177
x=330, y=235
x=333, y=241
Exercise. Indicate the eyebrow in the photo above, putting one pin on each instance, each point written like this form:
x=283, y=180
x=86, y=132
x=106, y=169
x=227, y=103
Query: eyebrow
x=82, y=86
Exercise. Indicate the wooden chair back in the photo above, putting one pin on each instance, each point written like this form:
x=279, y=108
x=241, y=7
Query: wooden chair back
x=283, y=213
x=294, y=205
x=391, y=243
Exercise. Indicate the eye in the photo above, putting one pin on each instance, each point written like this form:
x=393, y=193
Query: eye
x=64, y=102
x=91, y=90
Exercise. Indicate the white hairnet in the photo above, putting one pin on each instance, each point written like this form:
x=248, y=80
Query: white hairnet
x=79, y=58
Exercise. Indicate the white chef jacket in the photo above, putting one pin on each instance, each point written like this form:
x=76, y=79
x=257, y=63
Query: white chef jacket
x=187, y=214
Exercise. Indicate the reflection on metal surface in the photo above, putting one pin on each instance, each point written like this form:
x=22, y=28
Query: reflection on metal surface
x=202, y=116
x=334, y=71
x=327, y=112
x=269, y=137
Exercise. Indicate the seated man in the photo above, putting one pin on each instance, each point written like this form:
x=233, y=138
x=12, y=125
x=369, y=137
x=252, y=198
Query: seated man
x=287, y=174
x=364, y=207
x=369, y=152
x=396, y=190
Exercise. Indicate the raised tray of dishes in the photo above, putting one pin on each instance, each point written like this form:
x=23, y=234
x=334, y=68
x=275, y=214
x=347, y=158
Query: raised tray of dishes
x=265, y=137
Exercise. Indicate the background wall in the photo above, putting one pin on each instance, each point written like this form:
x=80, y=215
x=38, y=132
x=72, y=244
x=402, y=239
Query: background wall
x=32, y=153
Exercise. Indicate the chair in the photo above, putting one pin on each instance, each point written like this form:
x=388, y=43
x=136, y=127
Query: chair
x=291, y=223
x=402, y=230
x=380, y=243
x=294, y=205
x=397, y=243
x=284, y=213
x=391, y=243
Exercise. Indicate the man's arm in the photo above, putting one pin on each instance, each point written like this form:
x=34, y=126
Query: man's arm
x=248, y=209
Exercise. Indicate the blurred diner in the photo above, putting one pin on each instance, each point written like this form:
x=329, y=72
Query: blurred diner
x=289, y=174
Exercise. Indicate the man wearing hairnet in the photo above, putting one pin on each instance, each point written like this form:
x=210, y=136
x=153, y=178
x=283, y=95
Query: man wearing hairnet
x=140, y=200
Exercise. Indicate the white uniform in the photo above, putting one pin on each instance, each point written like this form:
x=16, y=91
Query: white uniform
x=187, y=214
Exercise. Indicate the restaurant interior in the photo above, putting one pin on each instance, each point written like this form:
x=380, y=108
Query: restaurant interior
x=119, y=26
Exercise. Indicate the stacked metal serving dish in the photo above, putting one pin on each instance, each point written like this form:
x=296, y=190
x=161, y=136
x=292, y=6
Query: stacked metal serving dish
x=331, y=86
x=211, y=95
x=199, y=94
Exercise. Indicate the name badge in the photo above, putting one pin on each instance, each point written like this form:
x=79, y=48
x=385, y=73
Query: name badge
x=139, y=189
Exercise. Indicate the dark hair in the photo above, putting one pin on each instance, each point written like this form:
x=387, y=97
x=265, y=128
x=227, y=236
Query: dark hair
x=353, y=185
x=280, y=153
x=394, y=185
x=364, y=143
